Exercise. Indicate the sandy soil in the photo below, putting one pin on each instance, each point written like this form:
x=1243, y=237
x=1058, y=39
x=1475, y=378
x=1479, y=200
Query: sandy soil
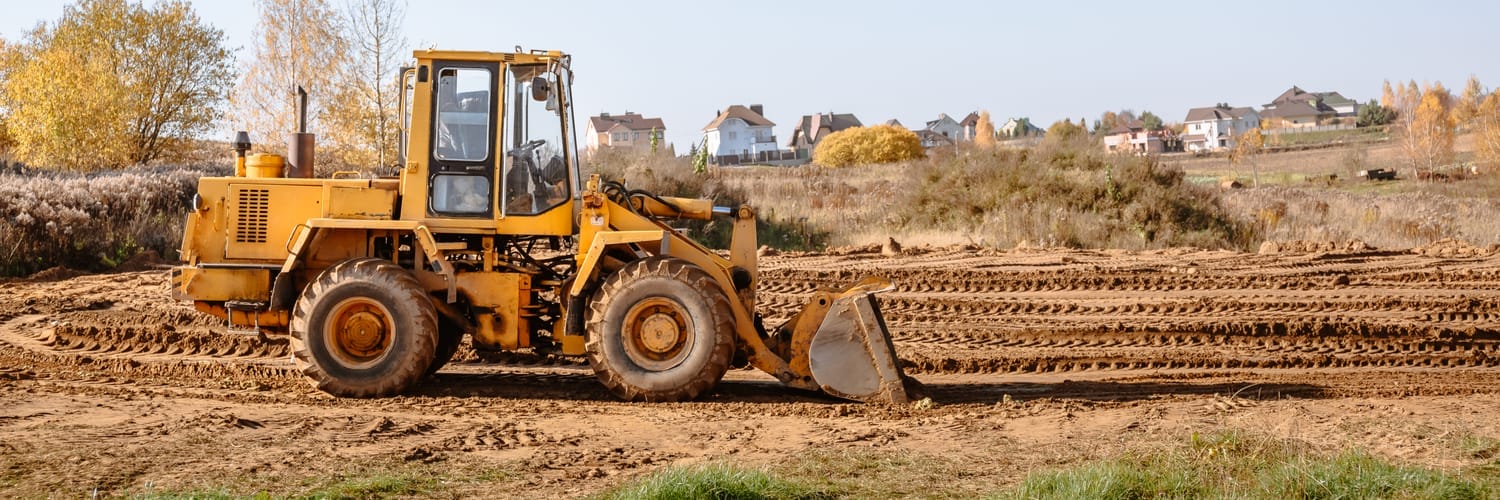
x=1031, y=358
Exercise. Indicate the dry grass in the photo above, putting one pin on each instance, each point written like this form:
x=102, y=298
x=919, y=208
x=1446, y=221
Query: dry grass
x=91, y=222
x=1068, y=194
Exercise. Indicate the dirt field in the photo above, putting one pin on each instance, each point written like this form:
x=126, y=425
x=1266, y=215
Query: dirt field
x=1032, y=359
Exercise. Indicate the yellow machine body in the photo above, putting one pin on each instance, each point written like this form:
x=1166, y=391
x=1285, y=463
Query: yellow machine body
x=255, y=241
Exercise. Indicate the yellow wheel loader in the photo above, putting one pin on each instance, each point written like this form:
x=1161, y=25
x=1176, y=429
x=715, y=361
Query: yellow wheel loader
x=489, y=230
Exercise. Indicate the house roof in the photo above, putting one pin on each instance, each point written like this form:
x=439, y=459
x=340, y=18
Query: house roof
x=738, y=111
x=1125, y=126
x=741, y=112
x=971, y=120
x=893, y=122
x=1293, y=108
x=1217, y=113
x=630, y=121
x=814, y=126
x=941, y=117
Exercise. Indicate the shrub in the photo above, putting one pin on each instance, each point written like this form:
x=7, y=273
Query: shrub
x=1066, y=193
x=868, y=145
x=91, y=222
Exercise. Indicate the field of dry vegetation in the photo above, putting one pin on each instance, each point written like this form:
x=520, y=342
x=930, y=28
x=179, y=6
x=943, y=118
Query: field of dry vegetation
x=1059, y=194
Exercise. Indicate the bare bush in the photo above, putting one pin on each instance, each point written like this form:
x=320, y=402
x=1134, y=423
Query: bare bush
x=1383, y=220
x=91, y=222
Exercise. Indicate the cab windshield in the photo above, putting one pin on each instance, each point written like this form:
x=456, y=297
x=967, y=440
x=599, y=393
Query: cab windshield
x=535, y=175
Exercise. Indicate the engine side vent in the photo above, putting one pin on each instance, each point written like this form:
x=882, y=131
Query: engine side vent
x=254, y=214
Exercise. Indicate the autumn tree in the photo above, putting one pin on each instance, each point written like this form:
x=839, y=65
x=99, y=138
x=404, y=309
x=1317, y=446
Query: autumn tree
x=1387, y=96
x=1467, y=107
x=984, y=130
x=1107, y=122
x=1487, y=131
x=113, y=83
x=298, y=42
x=1065, y=130
x=1427, y=137
x=1247, y=147
x=361, y=128
x=867, y=146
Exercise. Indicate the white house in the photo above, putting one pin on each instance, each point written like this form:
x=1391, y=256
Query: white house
x=1207, y=129
x=629, y=130
x=739, y=130
x=946, y=126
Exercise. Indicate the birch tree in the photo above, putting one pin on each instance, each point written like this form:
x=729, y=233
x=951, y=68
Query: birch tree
x=363, y=123
x=297, y=42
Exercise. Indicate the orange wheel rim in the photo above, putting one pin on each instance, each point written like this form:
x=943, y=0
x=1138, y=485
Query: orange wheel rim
x=658, y=333
x=359, y=331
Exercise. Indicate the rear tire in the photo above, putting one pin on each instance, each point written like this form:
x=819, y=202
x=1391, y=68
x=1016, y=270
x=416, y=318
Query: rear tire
x=450, y=335
x=660, y=329
x=364, y=328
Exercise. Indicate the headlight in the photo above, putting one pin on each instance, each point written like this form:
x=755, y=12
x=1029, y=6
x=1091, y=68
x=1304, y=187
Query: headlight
x=197, y=202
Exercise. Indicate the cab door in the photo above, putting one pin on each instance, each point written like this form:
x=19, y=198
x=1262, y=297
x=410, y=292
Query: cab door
x=463, y=158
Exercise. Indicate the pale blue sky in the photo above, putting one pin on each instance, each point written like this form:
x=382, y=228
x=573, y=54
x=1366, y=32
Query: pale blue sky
x=682, y=60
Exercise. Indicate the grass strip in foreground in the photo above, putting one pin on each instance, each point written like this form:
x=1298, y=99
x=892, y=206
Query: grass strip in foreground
x=1236, y=465
x=717, y=481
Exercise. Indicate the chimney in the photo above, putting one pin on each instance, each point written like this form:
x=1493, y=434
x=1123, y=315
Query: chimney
x=758, y=109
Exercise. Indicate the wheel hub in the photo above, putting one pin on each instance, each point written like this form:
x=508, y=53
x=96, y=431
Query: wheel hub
x=361, y=331
x=658, y=333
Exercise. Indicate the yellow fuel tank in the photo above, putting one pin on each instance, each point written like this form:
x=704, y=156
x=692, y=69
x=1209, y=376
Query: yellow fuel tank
x=262, y=165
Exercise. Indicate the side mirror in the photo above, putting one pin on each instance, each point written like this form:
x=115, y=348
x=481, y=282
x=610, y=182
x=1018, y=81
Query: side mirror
x=540, y=88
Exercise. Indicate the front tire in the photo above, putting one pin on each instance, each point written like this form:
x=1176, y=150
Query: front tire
x=660, y=329
x=364, y=328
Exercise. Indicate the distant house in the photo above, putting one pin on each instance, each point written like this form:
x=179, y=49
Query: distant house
x=970, y=125
x=932, y=139
x=1131, y=134
x=946, y=126
x=894, y=123
x=1300, y=108
x=811, y=129
x=629, y=130
x=1020, y=127
x=739, y=131
x=1207, y=129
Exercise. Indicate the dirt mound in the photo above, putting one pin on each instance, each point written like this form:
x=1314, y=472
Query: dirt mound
x=1302, y=246
x=57, y=273
x=1450, y=247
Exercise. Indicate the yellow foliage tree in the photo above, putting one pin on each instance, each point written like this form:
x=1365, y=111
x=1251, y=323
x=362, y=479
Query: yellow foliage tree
x=1247, y=147
x=1467, y=107
x=1387, y=96
x=868, y=145
x=113, y=83
x=1428, y=136
x=1065, y=130
x=1487, y=131
x=984, y=131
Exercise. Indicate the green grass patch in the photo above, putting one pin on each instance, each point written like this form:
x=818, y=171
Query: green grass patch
x=1237, y=465
x=718, y=481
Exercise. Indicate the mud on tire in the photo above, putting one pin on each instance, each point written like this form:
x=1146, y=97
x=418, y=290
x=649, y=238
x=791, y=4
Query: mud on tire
x=660, y=292
x=364, y=328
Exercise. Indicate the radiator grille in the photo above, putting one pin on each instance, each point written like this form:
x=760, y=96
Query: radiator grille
x=254, y=213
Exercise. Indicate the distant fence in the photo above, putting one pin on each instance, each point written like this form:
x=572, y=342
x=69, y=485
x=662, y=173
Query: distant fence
x=784, y=155
x=1317, y=128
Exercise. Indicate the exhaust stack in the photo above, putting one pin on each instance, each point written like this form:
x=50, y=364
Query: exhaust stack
x=300, y=146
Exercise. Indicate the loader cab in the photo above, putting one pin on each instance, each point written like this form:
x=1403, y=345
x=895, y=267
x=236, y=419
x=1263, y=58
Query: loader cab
x=489, y=144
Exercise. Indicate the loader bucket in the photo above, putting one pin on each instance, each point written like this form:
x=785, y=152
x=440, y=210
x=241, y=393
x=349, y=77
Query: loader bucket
x=851, y=355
